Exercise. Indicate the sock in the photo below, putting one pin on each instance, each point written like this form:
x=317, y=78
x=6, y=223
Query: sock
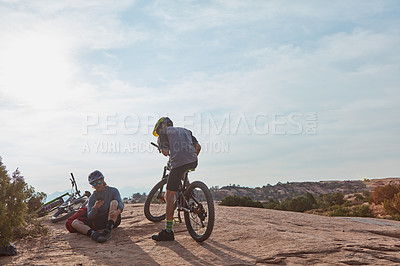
x=90, y=232
x=110, y=224
x=168, y=226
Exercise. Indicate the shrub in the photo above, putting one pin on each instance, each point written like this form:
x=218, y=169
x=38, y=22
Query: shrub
x=30, y=227
x=17, y=199
x=367, y=196
x=333, y=199
x=362, y=211
x=12, y=205
x=382, y=193
x=392, y=206
x=359, y=197
x=340, y=211
x=311, y=199
x=34, y=200
x=273, y=204
x=240, y=201
x=299, y=204
x=230, y=201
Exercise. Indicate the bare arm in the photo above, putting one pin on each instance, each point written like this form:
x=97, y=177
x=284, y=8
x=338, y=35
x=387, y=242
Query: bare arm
x=198, y=148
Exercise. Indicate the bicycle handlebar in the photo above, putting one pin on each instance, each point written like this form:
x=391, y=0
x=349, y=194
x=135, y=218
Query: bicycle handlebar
x=74, y=184
x=155, y=145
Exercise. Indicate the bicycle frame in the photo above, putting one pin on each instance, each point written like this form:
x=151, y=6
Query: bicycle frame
x=59, y=197
x=51, y=205
x=181, y=193
x=180, y=198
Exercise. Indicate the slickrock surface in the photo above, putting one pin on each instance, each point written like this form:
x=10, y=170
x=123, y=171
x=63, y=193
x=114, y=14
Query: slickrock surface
x=241, y=236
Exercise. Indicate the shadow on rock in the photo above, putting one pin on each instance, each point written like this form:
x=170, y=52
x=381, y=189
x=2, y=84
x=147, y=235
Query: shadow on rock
x=120, y=249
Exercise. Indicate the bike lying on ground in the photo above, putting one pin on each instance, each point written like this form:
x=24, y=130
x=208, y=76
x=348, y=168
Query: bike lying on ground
x=67, y=208
x=51, y=205
x=194, y=199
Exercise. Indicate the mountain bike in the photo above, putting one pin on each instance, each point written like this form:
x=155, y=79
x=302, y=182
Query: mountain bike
x=194, y=199
x=51, y=205
x=67, y=208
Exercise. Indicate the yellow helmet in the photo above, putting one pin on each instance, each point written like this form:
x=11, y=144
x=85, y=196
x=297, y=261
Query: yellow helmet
x=162, y=120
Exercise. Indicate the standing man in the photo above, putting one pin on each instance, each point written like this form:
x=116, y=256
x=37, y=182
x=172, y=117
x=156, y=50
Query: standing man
x=103, y=211
x=183, y=148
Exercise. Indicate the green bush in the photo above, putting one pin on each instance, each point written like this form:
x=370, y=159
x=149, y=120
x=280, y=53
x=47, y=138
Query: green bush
x=357, y=211
x=359, y=197
x=298, y=204
x=367, y=196
x=332, y=199
x=240, y=201
x=362, y=211
x=340, y=211
x=17, y=199
x=272, y=204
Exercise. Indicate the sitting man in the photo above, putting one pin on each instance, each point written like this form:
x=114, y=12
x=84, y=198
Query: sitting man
x=103, y=210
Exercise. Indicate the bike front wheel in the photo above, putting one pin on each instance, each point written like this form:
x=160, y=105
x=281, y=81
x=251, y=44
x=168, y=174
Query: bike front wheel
x=154, y=207
x=200, y=218
x=66, y=212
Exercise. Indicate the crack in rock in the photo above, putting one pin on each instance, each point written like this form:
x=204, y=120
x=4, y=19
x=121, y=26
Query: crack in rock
x=309, y=252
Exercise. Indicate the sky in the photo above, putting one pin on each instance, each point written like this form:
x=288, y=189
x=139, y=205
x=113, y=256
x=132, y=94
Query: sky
x=275, y=91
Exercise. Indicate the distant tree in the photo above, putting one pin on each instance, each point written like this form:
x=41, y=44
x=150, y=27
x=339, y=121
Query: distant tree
x=382, y=193
x=392, y=206
x=310, y=197
x=300, y=204
x=336, y=198
x=273, y=204
x=340, y=211
x=240, y=201
x=362, y=211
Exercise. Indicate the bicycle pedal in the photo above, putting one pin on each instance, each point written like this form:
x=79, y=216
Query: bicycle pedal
x=176, y=221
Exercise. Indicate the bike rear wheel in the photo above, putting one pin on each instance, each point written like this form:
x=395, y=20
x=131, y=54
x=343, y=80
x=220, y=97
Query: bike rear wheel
x=154, y=207
x=200, y=218
x=65, y=213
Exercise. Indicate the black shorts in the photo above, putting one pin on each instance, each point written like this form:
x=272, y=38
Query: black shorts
x=100, y=222
x=176, y=174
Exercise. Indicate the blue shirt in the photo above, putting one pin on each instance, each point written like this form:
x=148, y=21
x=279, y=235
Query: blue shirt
x=109, y=194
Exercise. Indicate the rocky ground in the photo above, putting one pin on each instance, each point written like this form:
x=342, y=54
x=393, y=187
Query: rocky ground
x=242, y=236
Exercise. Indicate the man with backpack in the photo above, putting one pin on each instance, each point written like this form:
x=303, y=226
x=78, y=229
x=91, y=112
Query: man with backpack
x=183, y=149
x=103, y=211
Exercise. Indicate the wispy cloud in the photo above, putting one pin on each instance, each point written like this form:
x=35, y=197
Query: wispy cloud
x=132, y=61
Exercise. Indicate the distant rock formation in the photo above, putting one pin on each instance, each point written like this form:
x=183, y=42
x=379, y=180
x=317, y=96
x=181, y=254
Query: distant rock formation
x=295, y=189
